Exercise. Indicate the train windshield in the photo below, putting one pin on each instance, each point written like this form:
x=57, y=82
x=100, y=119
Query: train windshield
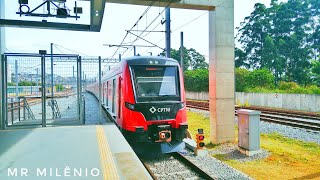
x=156, y=82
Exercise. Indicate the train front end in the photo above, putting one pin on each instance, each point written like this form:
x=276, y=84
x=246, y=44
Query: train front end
x=156, y=120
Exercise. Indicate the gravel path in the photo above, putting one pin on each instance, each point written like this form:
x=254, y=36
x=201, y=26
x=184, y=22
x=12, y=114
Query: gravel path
x=231, y=152
x=92, y=111
x=287, y=131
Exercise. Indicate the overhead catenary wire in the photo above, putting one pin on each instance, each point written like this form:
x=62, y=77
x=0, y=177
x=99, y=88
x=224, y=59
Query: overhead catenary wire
x=135, y=24
x=167, y=6
x=187, y=23
x=70, y=50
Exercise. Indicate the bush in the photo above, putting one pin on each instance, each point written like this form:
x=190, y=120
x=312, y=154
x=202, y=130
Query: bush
x=260, y=78
x=314, y=89
x=288, y=85
x=197, y=80
x=241, y=77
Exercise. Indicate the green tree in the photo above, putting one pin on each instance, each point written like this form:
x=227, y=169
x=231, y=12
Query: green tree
x=240, y=58
x=59, y=87
x=191, y=58
x=315, y=72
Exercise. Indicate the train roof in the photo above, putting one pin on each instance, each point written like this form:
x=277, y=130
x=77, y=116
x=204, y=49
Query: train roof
x=150, y=60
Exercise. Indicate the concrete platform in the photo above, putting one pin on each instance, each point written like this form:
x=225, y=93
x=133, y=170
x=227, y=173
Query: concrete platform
x=68, y=152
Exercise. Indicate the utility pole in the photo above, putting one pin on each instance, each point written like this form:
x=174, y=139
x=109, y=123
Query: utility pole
x=181, y=51
x=134, y=51
x=168, y=33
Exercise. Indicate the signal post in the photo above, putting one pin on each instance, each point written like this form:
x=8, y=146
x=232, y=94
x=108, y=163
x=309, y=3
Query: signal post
x=200, y=150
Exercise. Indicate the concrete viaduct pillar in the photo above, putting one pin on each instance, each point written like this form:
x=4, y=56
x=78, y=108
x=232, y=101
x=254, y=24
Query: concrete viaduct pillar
x=2, y=48
x=221, y=72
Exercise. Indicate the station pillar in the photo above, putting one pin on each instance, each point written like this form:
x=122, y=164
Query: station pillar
x=221, y=72
x=2, y=49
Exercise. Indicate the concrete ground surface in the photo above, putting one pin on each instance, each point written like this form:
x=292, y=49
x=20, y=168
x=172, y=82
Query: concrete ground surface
x=69, y=152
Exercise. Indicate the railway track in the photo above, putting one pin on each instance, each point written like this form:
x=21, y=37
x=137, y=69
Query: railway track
x=295, y=120
x=173, y=166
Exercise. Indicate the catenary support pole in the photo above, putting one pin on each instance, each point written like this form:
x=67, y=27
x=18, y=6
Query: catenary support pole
x=100, y=88
x=181, y=51
x=168, y=33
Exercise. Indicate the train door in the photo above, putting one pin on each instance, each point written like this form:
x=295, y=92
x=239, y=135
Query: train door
x=119, y=98
x=103, y=92
x=107, y=92
x=113, y=95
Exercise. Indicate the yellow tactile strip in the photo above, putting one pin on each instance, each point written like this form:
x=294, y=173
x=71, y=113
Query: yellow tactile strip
x=106, y=159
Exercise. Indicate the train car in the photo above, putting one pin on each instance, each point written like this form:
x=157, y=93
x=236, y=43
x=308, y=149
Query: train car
x=145, y=96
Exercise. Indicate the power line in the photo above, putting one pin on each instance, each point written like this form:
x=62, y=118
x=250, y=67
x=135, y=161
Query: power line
x=151, y=23
x=71, y=50
x=58, y=49
x=189, y=22
x=179, y=28
x=135, y=24
x=8, y=50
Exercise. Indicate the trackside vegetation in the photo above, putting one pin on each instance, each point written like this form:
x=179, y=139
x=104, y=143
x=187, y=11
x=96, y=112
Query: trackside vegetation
x=259, y=81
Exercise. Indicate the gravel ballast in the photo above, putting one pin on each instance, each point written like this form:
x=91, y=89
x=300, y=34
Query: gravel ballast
x=214, y=167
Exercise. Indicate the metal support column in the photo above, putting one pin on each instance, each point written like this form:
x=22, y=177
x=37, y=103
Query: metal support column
x=43, y=89
x=78, y=87
x=168, y=33
x=80, y=99
x=181, y=52
x=16, y=77
x=52, y=93
x=2, y=72
x=100, y=88
x=3, y=92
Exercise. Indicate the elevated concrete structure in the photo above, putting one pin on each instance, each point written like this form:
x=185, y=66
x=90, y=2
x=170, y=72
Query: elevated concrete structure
x=221, y=71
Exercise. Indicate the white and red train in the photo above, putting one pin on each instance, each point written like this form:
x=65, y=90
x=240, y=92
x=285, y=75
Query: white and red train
x=145, y=97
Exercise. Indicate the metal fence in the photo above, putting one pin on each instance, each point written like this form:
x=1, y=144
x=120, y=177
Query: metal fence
x=48, y=89
x=41, y=89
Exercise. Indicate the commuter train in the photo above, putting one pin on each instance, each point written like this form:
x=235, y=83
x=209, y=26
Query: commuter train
x=146, y=99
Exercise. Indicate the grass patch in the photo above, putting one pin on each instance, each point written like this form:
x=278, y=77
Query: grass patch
x=289, y=159
x=198, y=121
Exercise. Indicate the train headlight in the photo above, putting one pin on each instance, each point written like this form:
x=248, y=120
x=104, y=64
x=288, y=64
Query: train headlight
x=130, y=106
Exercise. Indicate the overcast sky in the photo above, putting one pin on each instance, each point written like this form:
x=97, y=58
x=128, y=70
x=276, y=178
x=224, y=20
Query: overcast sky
x=117, y=19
